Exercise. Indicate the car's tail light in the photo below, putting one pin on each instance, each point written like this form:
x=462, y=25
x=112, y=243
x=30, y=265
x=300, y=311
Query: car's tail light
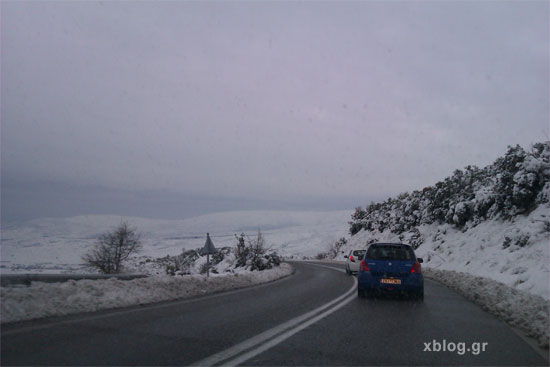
x=363, y=266
x=351, y=259
x=416, y=268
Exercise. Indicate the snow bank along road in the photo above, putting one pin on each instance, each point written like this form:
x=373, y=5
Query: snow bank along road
x=311, y=318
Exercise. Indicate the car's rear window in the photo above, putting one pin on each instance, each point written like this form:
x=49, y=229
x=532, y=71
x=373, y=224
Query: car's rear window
x=389, y=252
x=359, y=253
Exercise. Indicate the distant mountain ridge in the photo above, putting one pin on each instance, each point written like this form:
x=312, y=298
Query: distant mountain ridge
x=57, y=244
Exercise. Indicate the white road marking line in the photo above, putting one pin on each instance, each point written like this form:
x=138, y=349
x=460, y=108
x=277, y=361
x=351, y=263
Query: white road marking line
x=327, y=266
x=281, y=338
x=271, y=337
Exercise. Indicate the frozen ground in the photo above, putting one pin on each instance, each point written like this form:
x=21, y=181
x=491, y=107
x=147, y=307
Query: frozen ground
x=56, y=245
x=56, y=299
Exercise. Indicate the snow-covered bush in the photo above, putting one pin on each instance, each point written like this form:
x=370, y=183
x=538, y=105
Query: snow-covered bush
x=182, y=264
x=333, y=250
x=188, y=263
x=321, y=256
x=220, y=255
x=514, y=184
x=462, y=213
x=254, y=254
x=416, y=239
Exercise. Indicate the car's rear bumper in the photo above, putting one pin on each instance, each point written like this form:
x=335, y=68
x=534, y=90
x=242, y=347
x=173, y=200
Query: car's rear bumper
x=353, y=267
x=412, y=283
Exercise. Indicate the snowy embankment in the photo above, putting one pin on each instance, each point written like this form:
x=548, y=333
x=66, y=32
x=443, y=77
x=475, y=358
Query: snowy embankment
x=56, y=299
x=493, y=249
x=520, y=309
x=488, y=264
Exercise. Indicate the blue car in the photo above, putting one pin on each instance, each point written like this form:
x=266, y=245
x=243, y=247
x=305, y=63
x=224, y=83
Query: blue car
x=390, y=268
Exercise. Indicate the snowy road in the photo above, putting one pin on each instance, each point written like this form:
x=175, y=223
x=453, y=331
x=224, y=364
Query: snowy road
x=311, y=318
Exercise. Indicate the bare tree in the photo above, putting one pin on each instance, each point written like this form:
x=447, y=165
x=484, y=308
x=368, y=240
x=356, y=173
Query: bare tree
x=113, y=248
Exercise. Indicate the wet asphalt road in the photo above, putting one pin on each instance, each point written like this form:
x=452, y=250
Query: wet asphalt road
x=362, y=332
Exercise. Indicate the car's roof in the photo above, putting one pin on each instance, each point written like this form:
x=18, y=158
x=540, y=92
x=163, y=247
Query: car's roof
x=390, y=244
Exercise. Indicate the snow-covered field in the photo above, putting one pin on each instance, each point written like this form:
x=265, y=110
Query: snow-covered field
x=55, y=299
x=56, y=245
x=484, y=250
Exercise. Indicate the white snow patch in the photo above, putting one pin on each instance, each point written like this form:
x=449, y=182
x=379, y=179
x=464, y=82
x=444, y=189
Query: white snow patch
x=56, y=299
x=521, y=309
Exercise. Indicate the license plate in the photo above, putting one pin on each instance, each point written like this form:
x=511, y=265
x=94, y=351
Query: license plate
x=390, y=281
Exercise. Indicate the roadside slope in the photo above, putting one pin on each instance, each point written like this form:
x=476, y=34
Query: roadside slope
x=56, y=299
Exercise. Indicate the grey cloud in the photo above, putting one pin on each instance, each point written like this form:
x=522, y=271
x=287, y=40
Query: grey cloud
x=268, y=101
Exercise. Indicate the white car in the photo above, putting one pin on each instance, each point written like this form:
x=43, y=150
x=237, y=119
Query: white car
x=353, y=259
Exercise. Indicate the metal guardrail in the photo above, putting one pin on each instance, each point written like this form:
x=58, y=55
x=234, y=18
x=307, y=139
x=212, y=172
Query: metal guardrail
x=26, y=279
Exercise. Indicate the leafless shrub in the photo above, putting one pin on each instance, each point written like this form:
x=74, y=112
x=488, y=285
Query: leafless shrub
x=113, y=248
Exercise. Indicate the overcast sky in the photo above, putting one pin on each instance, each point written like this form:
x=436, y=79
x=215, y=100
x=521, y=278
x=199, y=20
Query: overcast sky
x=172, y=109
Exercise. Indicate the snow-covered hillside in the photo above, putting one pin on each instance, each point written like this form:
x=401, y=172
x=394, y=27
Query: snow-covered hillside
x=480, y=250
x=57, y=244
x=492, y=222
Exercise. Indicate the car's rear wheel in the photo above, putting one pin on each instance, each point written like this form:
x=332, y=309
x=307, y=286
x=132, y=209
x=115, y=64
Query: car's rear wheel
x=420, y=295
x=360, y=293
x=347, y=271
